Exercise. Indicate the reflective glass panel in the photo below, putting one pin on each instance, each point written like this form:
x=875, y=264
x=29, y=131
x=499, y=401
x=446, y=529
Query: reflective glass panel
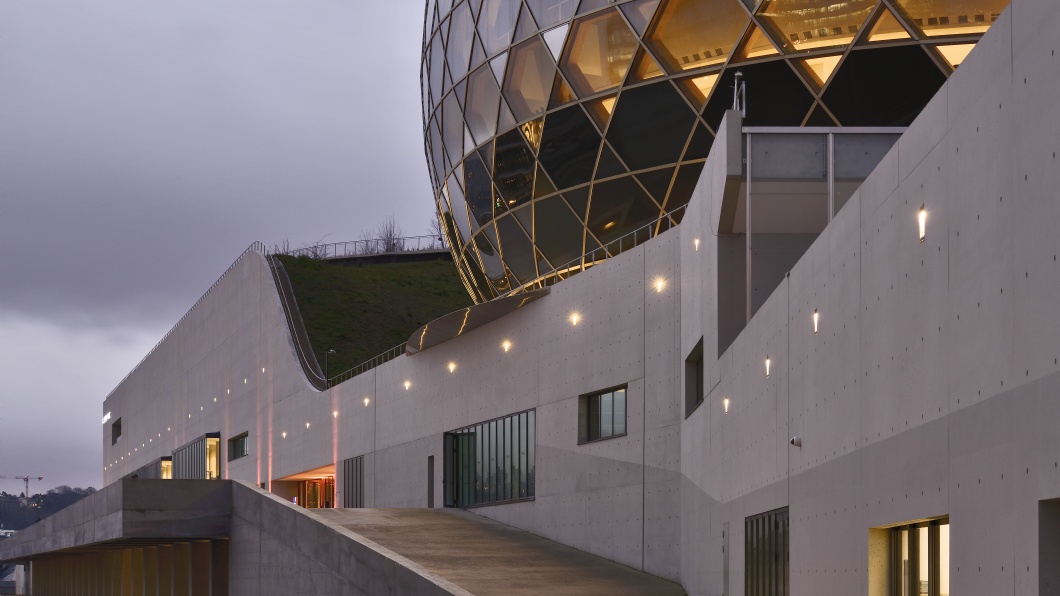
x=513, y=168
x=482, y=99
x=560, y=236
x=528, y=82
x=459, y=209
x=645, y=67
x=607, y=413
x=542, y=185
x=650, y=126
x=569, y=145
x=437, y=66
x=689, y=34
x=561, y=93
x=812, y=24
x=639, y=13
x=620, y=412
x=951, y=17
x=599, y=52
x=698, y=88
x=955, y=54
x=551, y=12
x=526, y=27
x=478, y=190
x=461, y=33
x=609, y=164
x=887, y=28
x=516, y=249
x=452, y=127
x=496, y=24
x=619, y=206
x=756, y=45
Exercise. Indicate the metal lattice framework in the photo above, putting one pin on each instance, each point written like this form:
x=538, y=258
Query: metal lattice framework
x=553, y=127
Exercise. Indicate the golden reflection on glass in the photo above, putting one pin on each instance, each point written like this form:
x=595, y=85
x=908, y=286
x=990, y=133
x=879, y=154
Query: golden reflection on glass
x=951, y=17
x=698, y=89
x=645, y=67
x=528, y=82
x=820, y=69
x=483, y=97
x=944, y=560
x=809, y=25
x=756, y=45
x=601, y=111
x=690, y=34
x=532, y=132
x=955, y=54
x=599, y=53
x=887, y=28
x=561, y=93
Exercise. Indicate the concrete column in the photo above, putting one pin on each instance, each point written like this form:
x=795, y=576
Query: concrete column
x=219, y=568
x=181, y=569
x=165, y=570
x=150, y=571
x=137, y=571
x=200, y=568
x=126, y=572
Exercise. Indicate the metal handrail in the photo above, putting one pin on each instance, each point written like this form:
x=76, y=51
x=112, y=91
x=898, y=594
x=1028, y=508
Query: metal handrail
x=257, y=247
x=296, y=325
x=369, y=364
x=613, y=248
x=374, y=246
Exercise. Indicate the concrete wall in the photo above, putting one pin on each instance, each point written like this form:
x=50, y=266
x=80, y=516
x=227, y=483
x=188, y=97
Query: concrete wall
x=929, y=389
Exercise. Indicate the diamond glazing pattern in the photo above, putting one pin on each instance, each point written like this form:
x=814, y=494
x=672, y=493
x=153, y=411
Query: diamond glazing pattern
x=552, y=127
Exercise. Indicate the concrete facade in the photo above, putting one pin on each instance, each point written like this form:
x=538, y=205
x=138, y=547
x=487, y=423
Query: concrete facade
x=929, y=389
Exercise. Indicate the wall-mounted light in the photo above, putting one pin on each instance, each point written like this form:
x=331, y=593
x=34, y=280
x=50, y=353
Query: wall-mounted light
x=452, y=367
x=921, y=216
x=228, y=392
x=575, y=317
x=106, y=417
x=244, y=381
x=816, y=319
x=695, y=243
x=307, y=425
x=168, y=429
x=725, y=405
x=263, y=369
x=407, y=385
x=201, y=408
x=367, y=401
x=659, y=284
x=215, y=400
x=335, y=414
x=189, y=415
x=767, y=366
x=283, y=434
x=506, y=345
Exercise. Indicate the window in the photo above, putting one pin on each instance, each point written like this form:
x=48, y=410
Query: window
x=766, y=554
x=198, y=460
x=490, y=462
x=694, y=378
x=919, y=556
x=353, y=482
x=602, y=415
x=115, y=431
x=239, y=446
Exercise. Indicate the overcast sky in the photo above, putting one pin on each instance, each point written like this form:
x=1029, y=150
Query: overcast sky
x=143, y=146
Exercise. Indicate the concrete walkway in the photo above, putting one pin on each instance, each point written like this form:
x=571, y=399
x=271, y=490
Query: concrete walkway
x=487, y=557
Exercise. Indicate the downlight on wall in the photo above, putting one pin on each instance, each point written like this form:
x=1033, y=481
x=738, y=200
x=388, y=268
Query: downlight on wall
x=452, y=367
x=574, y=318
x=816, y=319
x=659, y=284
x=407, y=385
x=921, y=217
x=367, y=401
x=725, y=404
x=695, y=243
x=767, y=366
x=506, y=345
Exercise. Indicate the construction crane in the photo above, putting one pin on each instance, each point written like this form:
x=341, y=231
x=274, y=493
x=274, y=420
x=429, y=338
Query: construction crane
x=26, y=479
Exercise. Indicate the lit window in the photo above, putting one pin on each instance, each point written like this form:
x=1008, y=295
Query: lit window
x=602, y=415
x=766, y=551
x=918, y=558
x=239, y=446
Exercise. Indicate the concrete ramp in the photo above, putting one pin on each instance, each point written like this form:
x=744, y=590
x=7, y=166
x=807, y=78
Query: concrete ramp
x=483, y=556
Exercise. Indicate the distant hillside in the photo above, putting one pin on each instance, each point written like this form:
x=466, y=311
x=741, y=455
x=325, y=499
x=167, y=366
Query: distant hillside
x=362, y=311
x=17, y=513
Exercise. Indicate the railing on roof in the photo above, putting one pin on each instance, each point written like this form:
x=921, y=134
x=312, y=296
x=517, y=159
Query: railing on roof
x=374, y=246
x=257, y=247
x=615, y=247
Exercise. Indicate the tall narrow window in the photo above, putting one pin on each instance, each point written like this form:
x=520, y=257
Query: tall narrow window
x=766, y=554
x=490, y=462
x=353, y=482
x=602, y=415
x=920, y=559
x=115, y=431
x=694, y=378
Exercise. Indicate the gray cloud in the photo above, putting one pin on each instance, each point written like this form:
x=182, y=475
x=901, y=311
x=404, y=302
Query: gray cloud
x=143, y=146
